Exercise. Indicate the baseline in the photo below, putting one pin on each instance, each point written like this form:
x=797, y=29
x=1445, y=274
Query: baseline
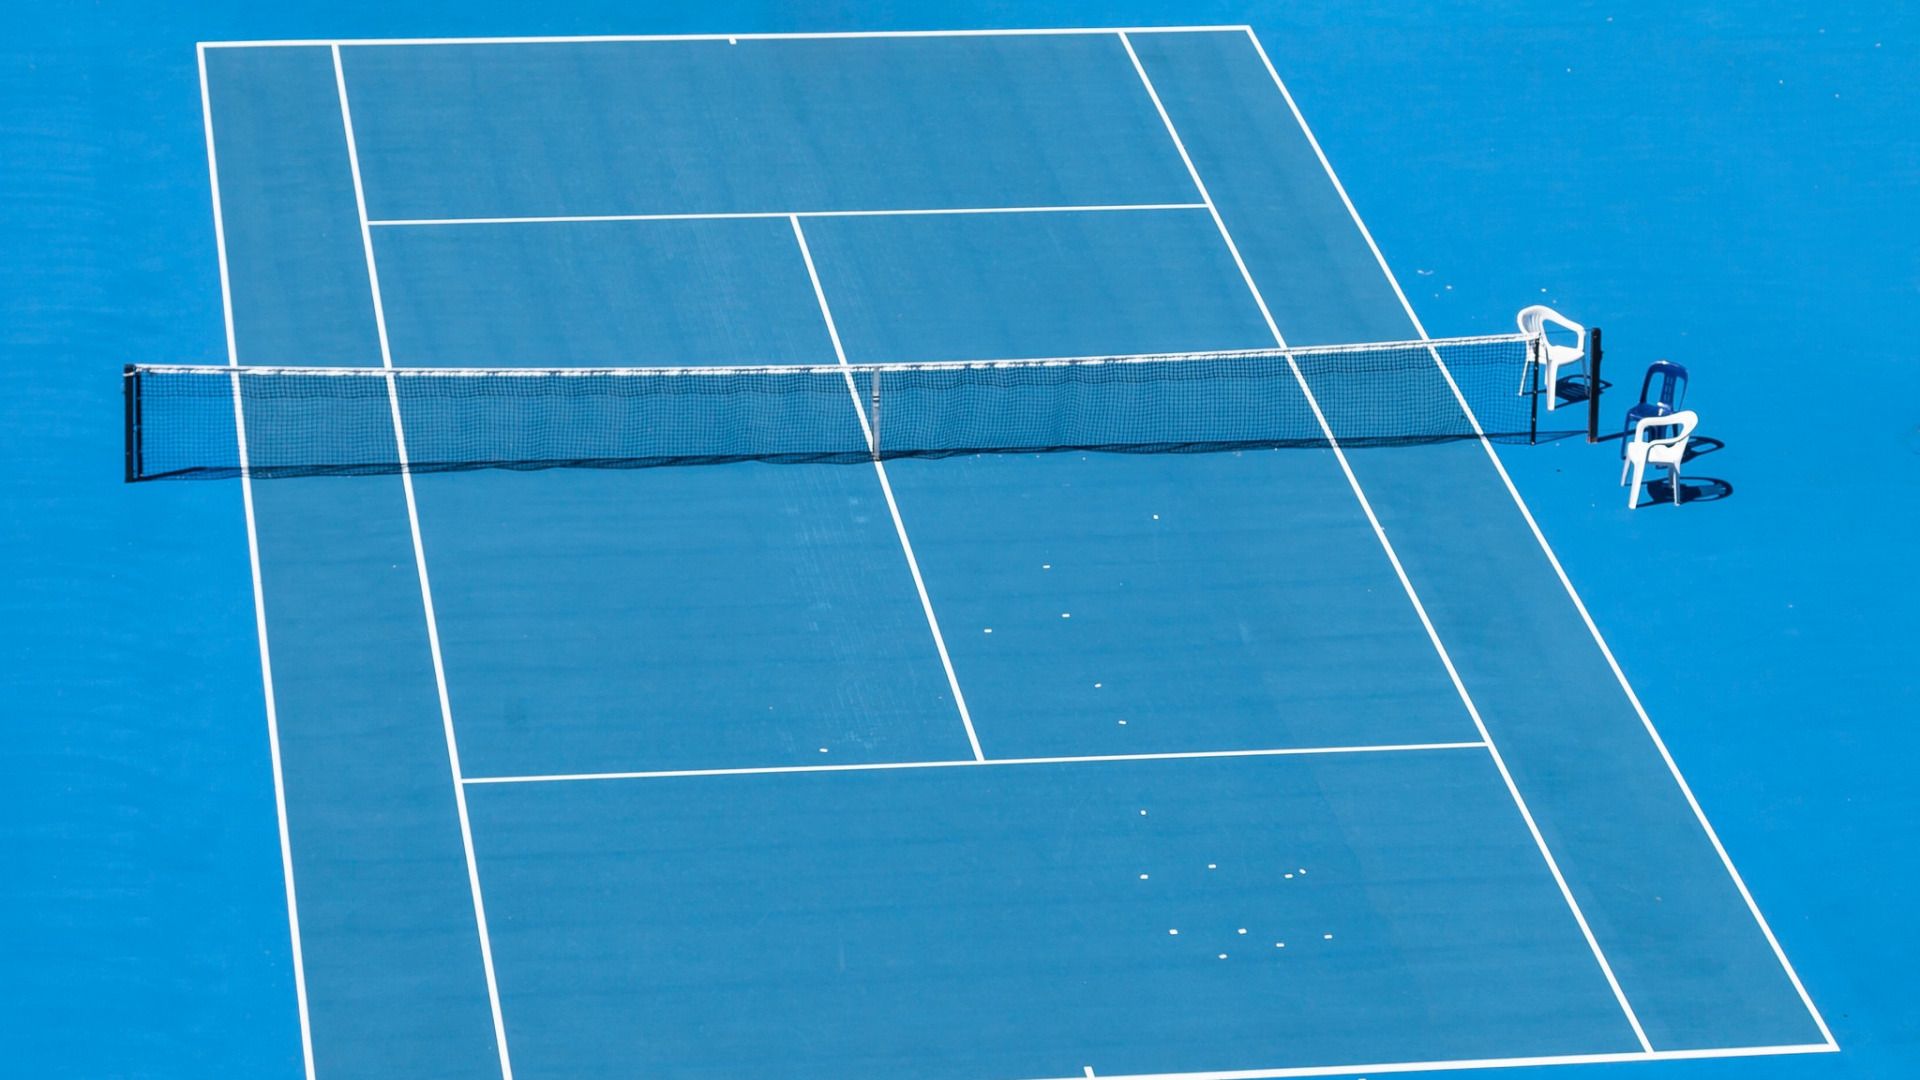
x=829, y=35
x=1478, y=1063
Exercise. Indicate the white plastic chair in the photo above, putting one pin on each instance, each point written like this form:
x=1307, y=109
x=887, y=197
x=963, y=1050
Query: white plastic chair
x=1533, y=322
x=1669, y=450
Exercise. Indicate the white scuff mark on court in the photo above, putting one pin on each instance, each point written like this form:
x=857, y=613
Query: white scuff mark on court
x=1213, y=866
x=1326, y=937
x=1173, y=932
x=988, y=630
x=1066, y=614
x=1242, y=930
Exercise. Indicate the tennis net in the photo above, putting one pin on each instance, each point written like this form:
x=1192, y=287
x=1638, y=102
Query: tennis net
x=187, y=420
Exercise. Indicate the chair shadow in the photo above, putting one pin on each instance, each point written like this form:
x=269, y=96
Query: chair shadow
x=1693, y=489
x=1701, y=445
x=1574, y=388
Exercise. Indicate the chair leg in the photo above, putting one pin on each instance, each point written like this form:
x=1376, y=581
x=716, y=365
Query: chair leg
x=1624, y=465
x=1673, y=478
x=1633, y=492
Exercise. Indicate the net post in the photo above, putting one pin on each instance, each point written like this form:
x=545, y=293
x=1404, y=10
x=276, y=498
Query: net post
x=1593, y=385
x=130, y=393
x=874, y=411
x=1534, y=350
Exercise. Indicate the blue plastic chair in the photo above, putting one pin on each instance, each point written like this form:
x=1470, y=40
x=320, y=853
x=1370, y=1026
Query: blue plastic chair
x=1665, y=401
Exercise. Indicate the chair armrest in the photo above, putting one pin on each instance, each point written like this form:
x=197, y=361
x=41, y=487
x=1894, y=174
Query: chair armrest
x=1685, y=420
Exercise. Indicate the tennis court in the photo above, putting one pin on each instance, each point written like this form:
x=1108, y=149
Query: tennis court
x=1023, y=765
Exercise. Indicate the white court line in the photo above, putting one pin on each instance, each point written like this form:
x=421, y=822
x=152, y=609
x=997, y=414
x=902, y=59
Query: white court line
x=426, y=590
x=893, y=508
x=748, y=215
x=1579, y=605
x=980, y=763
x=832, y=35
x=259, y=592
x=1478, y=1063
x=1406, y=583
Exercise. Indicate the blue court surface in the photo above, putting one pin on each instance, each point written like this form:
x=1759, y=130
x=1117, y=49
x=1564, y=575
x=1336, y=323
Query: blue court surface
x=1258, y=763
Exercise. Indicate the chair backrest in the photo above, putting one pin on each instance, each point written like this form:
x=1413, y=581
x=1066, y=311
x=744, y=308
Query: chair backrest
x=1686, y=420
x=1672, y=379
x=1534, y=318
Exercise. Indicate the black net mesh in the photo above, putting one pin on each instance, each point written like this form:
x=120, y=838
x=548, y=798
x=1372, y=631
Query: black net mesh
x=181, y=420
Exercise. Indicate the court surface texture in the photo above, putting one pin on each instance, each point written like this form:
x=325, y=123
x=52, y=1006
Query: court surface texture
x=1309, y=761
